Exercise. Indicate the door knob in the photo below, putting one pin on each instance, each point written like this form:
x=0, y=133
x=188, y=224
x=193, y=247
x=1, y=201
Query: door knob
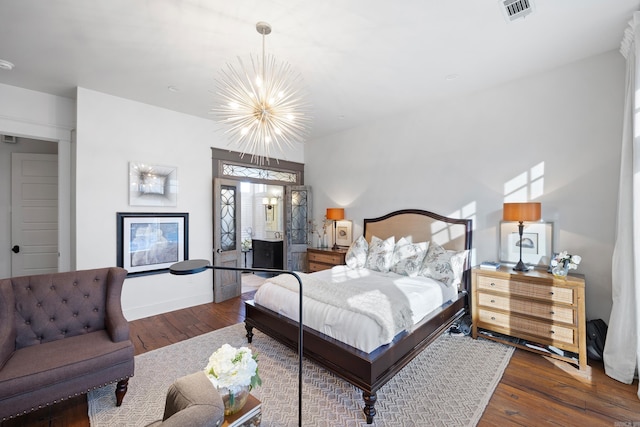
x=15, y=249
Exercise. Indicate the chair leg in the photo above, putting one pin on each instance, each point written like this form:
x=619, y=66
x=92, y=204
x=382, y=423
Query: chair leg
x=121, y=390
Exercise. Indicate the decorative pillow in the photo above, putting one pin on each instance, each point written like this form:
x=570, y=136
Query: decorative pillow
x=408, y=257
x=443, y=265
x=356, y=255
x=380, y=254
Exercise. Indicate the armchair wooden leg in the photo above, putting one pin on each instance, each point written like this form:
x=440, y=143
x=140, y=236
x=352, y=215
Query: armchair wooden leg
x=121, y=390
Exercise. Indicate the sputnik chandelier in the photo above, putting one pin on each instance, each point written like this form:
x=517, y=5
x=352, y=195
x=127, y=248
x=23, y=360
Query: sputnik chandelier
x=265, y=110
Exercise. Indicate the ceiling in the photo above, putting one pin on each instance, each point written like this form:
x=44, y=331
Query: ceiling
x=361, y=60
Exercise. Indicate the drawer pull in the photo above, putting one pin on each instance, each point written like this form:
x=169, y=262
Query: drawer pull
x=552, y=312
x=552, y=332
x=493, y=284
x=493, y=301
x=493, y=318
x=551, y=293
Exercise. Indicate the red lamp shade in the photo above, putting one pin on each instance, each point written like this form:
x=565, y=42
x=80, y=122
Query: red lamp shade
x=529, y=211
x=335, y=214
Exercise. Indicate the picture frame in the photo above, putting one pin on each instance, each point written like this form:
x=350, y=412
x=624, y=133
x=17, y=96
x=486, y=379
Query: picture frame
x=152, y=185
x=149, y=243
x=344, y=233
x=537, y=243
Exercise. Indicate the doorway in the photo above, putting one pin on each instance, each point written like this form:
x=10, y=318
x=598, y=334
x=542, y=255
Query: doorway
x=29, y=236
x=277, y=215
x=262, y=231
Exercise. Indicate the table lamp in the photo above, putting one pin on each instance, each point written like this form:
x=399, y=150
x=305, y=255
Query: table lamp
x=335, y=214
x=520, y=212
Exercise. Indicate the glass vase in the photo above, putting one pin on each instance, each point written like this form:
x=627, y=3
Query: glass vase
x=234, y=398
x=560, y=271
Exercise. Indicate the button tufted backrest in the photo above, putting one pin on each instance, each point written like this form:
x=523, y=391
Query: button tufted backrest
x=49, y=307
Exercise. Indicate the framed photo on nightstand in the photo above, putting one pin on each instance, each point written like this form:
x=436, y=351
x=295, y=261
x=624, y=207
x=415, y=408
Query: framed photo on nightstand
x=344, y=233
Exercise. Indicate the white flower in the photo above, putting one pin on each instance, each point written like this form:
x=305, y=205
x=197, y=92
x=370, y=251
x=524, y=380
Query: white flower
x=232, y=368
x=566, y=260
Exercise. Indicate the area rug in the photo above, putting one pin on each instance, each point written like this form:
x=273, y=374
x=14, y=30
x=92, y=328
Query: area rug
x=448, y=384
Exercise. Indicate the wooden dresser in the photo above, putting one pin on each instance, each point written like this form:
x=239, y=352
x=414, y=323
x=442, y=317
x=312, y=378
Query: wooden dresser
x=323, y=259
x=531, y=310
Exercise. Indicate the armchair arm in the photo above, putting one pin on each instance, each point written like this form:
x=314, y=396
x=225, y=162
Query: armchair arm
x=116, y=324
x=7, y=322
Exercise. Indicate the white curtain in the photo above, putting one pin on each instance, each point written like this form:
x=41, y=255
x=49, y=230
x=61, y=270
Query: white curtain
x=622, y=348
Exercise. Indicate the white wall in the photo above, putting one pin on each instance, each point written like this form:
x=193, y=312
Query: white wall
x=456, y=158
x=112, y=132
x=30, y=114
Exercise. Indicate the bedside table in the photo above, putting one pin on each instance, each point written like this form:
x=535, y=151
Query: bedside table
x=324, y=259
x=531, y=310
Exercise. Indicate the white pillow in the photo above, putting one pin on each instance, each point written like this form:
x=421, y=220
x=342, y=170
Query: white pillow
x=380, y=254
x=356, y=255
x=443, y=265
x=408, y=257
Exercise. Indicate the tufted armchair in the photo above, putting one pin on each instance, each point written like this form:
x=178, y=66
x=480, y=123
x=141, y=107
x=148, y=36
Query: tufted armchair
x=62, y=335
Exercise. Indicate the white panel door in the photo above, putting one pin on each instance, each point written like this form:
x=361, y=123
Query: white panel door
x=34, y=214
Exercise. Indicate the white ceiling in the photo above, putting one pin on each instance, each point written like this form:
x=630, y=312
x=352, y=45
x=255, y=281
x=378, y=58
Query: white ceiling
x=361, y=59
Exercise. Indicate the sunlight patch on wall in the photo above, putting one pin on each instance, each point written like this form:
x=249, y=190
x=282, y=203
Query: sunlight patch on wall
x=528, y=185
x=442, y=232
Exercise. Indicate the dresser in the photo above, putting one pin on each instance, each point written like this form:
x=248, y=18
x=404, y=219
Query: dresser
x=531, y=310
x=323, y=259
x=267, y=253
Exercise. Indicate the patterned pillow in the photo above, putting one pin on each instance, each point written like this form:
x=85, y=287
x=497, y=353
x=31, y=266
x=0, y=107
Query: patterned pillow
x=356, y=255
x=380, y=254
x=443, y=265
x=408, y=257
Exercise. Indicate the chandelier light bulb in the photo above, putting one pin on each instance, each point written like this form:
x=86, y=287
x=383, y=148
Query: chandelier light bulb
x=257, y=105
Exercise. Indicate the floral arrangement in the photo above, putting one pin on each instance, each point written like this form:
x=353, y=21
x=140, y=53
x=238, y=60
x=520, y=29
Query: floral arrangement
x=566, y=260
x=232, y=368
x=313, y=227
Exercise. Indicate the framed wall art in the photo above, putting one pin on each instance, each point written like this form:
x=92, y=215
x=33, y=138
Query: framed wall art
x=148, y=243
x=537, y=243
x=344, y=233
x=152, y=185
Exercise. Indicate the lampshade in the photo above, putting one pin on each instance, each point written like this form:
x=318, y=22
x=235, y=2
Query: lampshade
x=335, y=214
x=262, y=108
x=528, y=211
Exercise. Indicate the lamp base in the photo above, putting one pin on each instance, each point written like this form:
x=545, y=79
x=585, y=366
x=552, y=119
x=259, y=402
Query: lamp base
x=520, y=266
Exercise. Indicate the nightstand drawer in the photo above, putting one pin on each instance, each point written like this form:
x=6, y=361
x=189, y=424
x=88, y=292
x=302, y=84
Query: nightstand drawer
x=532, y=308
x=326, y=257
x=512, y=325
x=313, y=267
x=526, y=289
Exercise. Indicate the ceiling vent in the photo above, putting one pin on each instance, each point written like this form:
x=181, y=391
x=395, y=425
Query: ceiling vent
x=9, y=139
x=515, y=9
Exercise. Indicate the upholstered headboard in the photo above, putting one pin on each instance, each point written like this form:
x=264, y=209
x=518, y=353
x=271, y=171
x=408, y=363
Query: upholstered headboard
x=450, y=233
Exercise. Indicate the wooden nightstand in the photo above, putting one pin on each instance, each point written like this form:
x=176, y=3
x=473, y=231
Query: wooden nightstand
x=323, y=259
x=531, y=310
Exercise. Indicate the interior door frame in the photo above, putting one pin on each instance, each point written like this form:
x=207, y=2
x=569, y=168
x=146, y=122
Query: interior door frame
x=222, y=159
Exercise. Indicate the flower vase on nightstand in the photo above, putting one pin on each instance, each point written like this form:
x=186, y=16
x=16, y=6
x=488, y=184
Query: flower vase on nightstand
x=560, y=271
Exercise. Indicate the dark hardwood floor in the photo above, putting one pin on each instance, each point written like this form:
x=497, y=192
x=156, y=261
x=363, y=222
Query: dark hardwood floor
x=533, y=391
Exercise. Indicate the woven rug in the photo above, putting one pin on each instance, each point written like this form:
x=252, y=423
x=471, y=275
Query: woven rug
x=448, y=384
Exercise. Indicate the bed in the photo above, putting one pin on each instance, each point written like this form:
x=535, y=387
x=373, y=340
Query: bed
x=370, y=370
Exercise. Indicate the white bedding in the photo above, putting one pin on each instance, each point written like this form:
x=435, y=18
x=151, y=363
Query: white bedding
x=353, y=327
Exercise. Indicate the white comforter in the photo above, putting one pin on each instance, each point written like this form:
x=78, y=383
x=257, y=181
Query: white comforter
x=358, y=327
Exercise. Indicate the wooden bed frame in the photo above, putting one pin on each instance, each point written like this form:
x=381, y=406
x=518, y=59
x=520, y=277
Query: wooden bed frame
x=370, y=371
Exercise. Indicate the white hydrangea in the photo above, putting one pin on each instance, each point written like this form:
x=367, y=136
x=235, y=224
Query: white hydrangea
x=232, y=368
